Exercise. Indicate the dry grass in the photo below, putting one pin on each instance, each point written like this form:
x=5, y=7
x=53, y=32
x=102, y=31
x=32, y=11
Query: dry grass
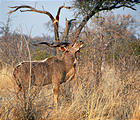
x=6, y=88
x=113, y=99
x=6, y=80
x=136, y=114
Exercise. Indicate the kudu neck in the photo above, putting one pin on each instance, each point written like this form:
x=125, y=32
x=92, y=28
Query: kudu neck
x=69, y=59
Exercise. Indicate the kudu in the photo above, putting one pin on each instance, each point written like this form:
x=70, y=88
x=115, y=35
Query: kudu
x=53, y=70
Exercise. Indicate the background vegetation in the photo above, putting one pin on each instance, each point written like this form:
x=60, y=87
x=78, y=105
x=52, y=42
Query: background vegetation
x=106, y=86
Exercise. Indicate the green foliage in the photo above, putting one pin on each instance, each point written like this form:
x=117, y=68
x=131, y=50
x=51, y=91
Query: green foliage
x=40, y=54
x=85, y=7
x=127, y=50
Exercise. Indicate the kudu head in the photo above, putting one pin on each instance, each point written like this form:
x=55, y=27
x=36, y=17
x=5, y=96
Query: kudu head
x=69, y=51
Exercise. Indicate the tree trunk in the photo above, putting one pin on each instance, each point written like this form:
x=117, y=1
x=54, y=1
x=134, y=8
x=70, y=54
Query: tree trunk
x=77, y=32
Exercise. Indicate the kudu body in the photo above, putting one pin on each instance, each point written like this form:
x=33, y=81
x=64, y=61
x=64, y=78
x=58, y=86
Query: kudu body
x=52, y=70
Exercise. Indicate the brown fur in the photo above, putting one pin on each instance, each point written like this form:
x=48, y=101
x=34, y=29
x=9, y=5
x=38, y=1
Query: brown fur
x=53, y=70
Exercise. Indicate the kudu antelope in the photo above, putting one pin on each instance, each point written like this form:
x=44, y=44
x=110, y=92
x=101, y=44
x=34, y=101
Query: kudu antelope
x=52, y=70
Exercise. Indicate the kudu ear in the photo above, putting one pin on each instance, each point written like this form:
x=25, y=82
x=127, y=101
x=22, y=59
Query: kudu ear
x=77, y=46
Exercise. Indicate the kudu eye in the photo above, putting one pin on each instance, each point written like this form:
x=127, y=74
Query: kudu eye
x=81, y=42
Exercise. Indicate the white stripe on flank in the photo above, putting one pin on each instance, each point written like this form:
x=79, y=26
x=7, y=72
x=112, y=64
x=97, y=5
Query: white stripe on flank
x=33, y=61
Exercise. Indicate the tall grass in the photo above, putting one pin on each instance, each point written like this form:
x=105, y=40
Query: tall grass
x=113, y=99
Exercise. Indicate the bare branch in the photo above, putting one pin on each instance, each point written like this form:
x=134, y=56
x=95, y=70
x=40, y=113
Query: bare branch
x=58, y=13
x=114, y=6
x=55, y=21
x=31, y=9
x=26, y=11
x=67, y=29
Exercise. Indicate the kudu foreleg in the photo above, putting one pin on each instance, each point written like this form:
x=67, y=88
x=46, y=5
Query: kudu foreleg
x=56, y=93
